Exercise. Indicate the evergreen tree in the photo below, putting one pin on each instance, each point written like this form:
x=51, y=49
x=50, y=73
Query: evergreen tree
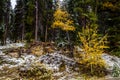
x=31, y=26
x=5, y=20
x=83, y=13
x=1, y=20
x=109, y=21
x=19, y=24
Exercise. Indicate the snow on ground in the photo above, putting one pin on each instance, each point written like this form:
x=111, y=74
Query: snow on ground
x=13, y=45
x=52, y=60
x=111, y=61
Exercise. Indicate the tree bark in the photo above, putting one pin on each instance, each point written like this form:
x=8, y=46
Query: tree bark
x=23, y=30
x=36, y=26
x=23, y=23
x=46, y=34
x=6, y=20
x=96, y=6
x=68, y=37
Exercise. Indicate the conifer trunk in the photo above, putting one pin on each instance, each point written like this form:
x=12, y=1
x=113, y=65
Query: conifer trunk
x=68, y=37
x=46, y=34
x=6, y=20
x=23, y=23
x=36, y=26
x=23, y=30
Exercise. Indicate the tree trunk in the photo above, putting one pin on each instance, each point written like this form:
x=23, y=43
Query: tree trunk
x=46, y=34
x=36, y=27
x=96, y=7
x=68, y=37
x=6, y=18
x=23, y=30
x=23, y=23
x=5, y=35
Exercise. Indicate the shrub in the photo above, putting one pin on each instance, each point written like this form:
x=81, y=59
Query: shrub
x=37, y=72
x=116, y=71
x=93, y=46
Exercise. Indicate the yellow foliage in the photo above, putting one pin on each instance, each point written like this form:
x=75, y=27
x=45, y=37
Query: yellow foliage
x=92, y=43
x=62, y=21
x=109, y=5
x=93, y=47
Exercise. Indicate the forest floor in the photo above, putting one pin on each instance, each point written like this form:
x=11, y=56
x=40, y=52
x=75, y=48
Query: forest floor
x=18, y=60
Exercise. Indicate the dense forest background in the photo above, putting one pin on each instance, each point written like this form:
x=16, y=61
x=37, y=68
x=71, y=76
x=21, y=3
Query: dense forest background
x=34, y=20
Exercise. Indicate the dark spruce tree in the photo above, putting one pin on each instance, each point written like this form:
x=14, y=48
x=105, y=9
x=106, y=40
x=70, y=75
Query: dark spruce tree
x=19, y=22
x=5, y=10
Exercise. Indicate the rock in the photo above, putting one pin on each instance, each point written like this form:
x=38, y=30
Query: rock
x=12, y=49
x=57, y=61
x=13, y=45
x=10, y=61
x=14, y=54
x=111, y=61
x=117, y=78
x=1, y=53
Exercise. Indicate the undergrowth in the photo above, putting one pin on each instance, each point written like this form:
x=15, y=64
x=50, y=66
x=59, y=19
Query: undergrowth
x=36, y=72
x=116, y=71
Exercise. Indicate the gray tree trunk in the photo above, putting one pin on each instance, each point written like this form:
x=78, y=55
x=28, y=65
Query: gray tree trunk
x=36, y=26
